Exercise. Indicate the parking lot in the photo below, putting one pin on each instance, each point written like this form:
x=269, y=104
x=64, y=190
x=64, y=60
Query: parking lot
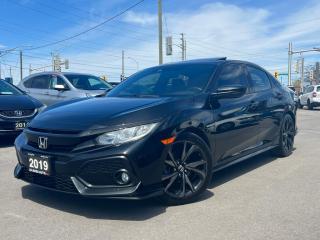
x=261, y=198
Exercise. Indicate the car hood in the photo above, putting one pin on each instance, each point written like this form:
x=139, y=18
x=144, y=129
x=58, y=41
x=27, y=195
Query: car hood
x=106, y=113
x=18, y=102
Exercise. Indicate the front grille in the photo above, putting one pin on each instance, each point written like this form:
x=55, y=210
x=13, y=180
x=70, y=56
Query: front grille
x=57, y=142
x=57, y=182
x=54, y=147
x=101, y=172
x=17, y=113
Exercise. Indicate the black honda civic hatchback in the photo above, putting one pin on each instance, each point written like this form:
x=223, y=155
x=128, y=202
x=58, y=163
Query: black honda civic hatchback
x=162, y=132
x=16, y=109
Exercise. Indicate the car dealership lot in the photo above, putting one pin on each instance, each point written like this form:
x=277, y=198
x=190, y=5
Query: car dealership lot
x=262, y=198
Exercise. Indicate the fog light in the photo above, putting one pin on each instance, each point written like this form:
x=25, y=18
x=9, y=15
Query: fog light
x=125, y=177
x=122, y=177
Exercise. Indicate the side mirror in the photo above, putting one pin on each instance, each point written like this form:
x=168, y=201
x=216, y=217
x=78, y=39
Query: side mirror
x=233, y=91
x=59, y=87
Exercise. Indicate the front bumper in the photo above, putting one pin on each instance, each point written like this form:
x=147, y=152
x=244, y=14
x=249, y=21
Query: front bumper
x=7, y=125
x=92, y=173
x=73, y=185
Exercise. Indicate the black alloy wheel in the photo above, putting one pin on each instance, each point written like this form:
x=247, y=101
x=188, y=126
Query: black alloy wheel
x=187, y=169
x=287, y=134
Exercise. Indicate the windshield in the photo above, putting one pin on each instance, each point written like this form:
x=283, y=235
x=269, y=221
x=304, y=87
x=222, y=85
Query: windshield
x=8, y=89
x=87, y=82
x=168, y=80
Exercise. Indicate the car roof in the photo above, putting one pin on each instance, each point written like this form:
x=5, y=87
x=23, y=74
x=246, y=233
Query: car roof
x=57, y=73
x=212, y=60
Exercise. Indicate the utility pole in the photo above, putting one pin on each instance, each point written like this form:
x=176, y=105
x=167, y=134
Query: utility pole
x=185, y=49
x=182, y=46
x=302, y=73
x=122, y=67
x=160, y=31
x=21, y=66
x=289, y=63
x=290, y=53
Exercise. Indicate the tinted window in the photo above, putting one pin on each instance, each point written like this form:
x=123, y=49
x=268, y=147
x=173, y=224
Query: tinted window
x=41, y=82
x=87, y=82
x=232, y=74
x=309, y=89
x=56, y=80
x=166, y=80
x=28, y=83
x=277, y=83
x=7, y=89
x=259, y=78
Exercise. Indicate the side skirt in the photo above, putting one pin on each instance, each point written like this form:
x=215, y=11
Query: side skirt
x=242, y=158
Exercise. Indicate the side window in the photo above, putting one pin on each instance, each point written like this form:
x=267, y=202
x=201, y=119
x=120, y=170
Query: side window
x=259, y=78
x=57, y=80
x=232, y=74
x=41, y=82
x=28, y=83
x=311, y=88
x=275, y=81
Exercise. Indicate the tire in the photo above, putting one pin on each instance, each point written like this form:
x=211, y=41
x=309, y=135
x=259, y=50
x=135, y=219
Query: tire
x=310, y=106
x=187, y=170
x=286, y=138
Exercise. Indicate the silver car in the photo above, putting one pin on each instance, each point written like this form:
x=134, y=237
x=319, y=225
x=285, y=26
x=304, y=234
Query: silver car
x=53, y=87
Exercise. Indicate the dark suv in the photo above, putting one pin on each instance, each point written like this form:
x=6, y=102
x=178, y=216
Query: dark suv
x=162, y=132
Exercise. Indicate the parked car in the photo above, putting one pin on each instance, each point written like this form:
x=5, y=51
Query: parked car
x=295, y=97
x=53, y=87
x=16, y=109
x=162, y=132
x=114, y=84
x=310, y=97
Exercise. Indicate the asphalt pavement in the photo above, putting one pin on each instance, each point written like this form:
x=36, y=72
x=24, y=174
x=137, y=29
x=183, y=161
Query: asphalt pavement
x=262, y=198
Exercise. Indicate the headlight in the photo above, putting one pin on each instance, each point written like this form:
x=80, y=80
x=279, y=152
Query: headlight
x=125, y=135
x=40, y=109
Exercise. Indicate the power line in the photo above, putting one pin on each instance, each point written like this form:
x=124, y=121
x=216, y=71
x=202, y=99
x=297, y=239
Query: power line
x=89, y=29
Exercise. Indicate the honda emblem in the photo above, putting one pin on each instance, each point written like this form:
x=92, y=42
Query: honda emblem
x=43, y=142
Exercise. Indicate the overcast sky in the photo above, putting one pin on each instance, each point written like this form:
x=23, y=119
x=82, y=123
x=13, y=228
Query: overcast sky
x=258, y=31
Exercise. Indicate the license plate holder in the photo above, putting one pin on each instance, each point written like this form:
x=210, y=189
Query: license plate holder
x=39, y=164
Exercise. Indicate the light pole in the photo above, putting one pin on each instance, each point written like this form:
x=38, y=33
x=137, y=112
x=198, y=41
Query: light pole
x=160, y=31
x=137, y=63
x=290, y=53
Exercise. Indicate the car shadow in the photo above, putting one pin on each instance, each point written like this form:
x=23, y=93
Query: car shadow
x=99, y=208
x=6, y=141
x=131, y=210
x=234, y=171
